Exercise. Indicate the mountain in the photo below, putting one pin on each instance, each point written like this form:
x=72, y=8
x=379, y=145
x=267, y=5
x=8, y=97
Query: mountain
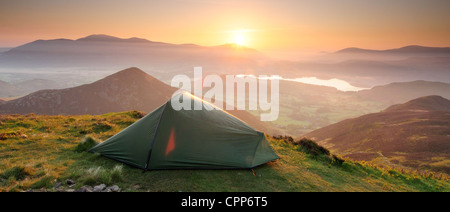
x=400, y=92
x=129, y=89
x=401, y=135
x=304, y=107
x=104, y=52
x=406, y=51
x=125, y=90
x=359, y=67
x=108, y=38
x=427, y=103
x=4, y=49
x=369, y=68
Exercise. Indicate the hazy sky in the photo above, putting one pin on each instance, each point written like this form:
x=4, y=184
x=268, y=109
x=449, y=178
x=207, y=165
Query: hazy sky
x=275, y=25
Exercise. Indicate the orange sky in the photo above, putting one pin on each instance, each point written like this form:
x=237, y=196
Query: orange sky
x=271, y=26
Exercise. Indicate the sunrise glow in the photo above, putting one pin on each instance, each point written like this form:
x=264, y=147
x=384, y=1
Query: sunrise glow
x=239, y=39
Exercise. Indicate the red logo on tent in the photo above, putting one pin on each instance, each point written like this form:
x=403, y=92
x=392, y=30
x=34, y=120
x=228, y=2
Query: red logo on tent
x=171, y=142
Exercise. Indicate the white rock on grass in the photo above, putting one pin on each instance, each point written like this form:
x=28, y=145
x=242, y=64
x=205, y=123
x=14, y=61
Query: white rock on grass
x=99, y=188
x=113, y=188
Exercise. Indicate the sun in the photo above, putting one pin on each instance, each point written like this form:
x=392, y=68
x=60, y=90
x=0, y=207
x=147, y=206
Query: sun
x=239, y=39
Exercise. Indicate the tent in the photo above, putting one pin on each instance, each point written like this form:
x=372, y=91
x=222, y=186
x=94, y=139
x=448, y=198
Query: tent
x=209, y=138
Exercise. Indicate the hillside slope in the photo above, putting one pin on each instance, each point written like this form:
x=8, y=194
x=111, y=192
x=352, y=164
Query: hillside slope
x=38, y=151
x=414, y=134
x=130, y=89
x=426, y=103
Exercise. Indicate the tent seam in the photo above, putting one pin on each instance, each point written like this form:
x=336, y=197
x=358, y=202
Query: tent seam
x=256, y=149
x=154, y=138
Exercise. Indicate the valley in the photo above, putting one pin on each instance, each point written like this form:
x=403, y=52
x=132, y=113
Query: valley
x=399, y=120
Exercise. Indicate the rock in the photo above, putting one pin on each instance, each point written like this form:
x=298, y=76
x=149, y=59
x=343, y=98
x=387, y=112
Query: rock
x=70, y=182
x=99, y=188
x=84, y=189
x=114, y=188
x=70, y=190
x=57, y=185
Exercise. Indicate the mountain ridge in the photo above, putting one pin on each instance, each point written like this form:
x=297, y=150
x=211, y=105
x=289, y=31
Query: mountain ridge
x=404, y=135
x=109, y=53
x=109, y=38
x=426, y=103
x=410, y=49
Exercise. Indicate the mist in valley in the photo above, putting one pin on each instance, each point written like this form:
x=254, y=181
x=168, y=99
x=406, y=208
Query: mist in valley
x=313, y=94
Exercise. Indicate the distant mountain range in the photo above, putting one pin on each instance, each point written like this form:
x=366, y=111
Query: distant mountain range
x=370, y=71
x=109, y=53
x=396, y=75
x=368, y=68
x=406, y=50
x=108, y=38
x=359, y=67
x=414, y=134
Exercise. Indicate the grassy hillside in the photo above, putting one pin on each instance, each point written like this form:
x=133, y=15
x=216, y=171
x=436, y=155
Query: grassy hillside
x=414, y=134
x=38, y=151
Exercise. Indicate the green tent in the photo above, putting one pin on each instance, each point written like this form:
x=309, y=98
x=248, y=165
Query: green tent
x=209, y=138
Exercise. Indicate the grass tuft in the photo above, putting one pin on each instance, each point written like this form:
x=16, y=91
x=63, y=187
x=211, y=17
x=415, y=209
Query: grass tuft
x=44, y=182
x=116, y=173
x=16, y=172
x=100, y=175
x=102, y=126
x=87, y=143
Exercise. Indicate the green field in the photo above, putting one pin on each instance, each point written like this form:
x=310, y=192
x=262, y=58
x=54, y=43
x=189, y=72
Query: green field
x=36, y=152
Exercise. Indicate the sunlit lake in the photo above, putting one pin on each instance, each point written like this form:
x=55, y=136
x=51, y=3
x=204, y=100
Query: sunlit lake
x=341, y=85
